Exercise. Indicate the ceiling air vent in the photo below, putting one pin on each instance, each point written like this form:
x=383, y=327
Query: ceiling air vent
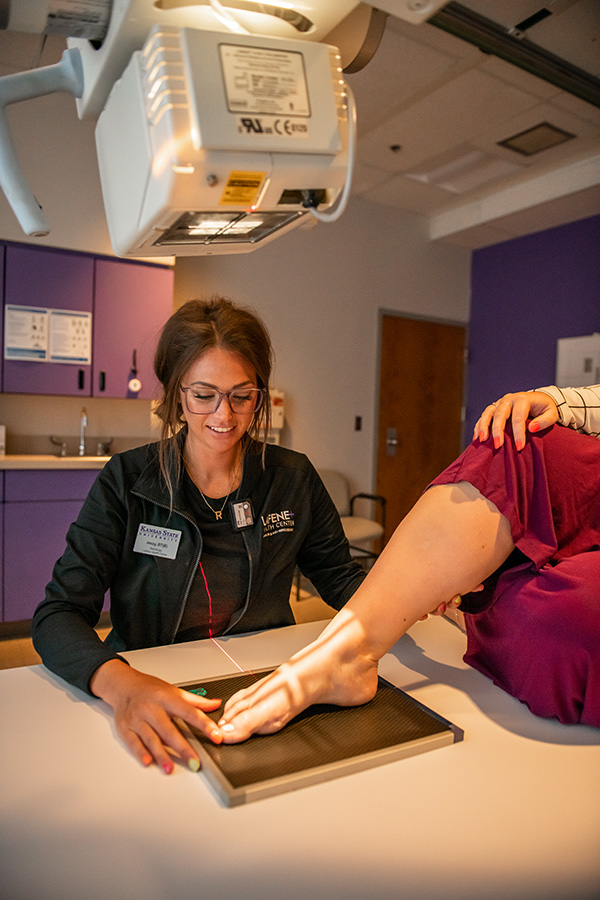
x=534, y=140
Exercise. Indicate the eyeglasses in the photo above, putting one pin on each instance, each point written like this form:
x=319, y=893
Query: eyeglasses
x=201, y=401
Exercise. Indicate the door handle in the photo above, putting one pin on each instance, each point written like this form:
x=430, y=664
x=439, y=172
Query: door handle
x=391, y=442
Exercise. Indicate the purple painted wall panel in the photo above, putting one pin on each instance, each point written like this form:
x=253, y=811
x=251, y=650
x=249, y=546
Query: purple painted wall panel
x=525, y=294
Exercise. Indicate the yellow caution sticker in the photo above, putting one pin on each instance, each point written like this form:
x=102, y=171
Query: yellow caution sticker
x=242, y=188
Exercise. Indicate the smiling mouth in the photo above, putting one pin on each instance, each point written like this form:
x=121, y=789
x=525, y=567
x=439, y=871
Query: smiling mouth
x=221, y=430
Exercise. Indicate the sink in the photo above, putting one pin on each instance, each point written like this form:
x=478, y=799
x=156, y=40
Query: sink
x=69, y=447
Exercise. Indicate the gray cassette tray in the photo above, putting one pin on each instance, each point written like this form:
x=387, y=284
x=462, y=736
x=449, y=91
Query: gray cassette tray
x=321, y=743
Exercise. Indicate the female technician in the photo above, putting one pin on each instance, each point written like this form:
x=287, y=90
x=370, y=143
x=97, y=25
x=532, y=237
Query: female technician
x=196, y=535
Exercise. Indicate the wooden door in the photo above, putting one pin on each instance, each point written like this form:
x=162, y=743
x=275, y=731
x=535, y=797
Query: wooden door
x=420, y=408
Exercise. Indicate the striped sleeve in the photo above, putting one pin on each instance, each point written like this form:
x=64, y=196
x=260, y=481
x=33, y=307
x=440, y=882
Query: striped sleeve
x=578, y=408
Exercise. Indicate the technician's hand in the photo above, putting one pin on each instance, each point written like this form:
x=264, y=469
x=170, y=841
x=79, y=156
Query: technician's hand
x=144, y=707
x=518, y=407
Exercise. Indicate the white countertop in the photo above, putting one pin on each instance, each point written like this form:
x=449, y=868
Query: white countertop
x=511, y=811
x=50, y=461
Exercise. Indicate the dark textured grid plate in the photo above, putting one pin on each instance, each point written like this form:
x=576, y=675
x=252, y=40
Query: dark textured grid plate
x=321, y=743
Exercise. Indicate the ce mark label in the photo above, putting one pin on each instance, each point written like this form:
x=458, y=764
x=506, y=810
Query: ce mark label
x=282, y=127
x=285, y=126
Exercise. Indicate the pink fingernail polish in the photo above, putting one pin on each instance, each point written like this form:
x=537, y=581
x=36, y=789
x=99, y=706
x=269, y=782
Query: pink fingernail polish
x=167, y=768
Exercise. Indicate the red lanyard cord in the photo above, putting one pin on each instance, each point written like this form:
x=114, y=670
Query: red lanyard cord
x=222, y=649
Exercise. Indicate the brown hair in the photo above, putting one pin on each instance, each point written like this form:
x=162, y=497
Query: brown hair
x=195, y=327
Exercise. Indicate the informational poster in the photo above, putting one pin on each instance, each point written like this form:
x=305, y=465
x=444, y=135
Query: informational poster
x=70, y=337
x=26, y=333
x=38, y=334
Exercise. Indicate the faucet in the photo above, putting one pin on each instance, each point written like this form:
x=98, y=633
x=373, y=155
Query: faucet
x=82, y=432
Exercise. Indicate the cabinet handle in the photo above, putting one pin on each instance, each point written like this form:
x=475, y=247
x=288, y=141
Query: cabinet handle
x=102, y=381
x=81, y=379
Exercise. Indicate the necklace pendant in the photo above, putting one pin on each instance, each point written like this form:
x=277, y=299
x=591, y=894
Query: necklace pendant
x=218, y=513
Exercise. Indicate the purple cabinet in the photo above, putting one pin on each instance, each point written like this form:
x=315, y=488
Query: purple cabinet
x=50, y=279
x=1, y=545
x=38, y=508
x=132, y=303
x=129, y=303
x=2, y=255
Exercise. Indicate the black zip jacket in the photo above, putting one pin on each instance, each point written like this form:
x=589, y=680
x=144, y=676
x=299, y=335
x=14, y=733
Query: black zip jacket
x=294, y=523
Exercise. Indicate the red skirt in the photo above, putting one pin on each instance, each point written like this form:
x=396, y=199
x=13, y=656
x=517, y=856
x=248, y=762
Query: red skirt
x=535, y=629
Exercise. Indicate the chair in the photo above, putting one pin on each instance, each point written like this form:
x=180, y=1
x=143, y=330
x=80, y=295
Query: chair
x=360, y=531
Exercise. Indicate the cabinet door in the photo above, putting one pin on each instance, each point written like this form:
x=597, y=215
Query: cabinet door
x=54, y=279
x=34, y=538
x=38, y=509
x=2, y=254
x=132, y=303
x=1, y=545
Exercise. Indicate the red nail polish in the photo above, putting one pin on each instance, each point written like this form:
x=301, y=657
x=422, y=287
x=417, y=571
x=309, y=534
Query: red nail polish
x=497, y=443
x=481, y=437
x=519, y=444
x=167, y=768
x=535, y=426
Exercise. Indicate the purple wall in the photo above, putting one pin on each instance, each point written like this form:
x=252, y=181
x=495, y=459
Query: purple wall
x=525, y=294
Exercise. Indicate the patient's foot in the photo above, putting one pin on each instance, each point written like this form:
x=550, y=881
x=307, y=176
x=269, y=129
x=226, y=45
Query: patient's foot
x=334, y=669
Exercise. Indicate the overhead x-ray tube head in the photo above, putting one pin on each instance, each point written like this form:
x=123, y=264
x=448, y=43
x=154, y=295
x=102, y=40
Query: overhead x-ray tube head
x=209, y=142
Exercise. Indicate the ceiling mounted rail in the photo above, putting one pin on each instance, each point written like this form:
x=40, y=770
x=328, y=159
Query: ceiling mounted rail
x=519, y=50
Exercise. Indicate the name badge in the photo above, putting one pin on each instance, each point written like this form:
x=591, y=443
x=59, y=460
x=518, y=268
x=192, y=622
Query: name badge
x=242, y=515
x=156, y=541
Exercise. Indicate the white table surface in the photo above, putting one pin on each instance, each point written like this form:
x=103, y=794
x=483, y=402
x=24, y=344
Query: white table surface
x=512, y=811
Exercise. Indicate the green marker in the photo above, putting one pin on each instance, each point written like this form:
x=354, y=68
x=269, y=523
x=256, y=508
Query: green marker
x=199, y=690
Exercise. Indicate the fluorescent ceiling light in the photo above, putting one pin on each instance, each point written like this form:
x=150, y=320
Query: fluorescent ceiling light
x=463, y=171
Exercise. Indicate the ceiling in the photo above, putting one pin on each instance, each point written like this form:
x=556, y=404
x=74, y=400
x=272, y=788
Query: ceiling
x=432, y=110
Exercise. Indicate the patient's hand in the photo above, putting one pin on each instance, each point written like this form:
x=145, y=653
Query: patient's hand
x=518, y=408
x=452, y=604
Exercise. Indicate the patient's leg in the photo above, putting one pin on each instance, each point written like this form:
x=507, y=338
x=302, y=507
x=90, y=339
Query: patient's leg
x=452, y=540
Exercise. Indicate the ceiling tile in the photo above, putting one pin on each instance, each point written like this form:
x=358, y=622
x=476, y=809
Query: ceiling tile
x=459, y=111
